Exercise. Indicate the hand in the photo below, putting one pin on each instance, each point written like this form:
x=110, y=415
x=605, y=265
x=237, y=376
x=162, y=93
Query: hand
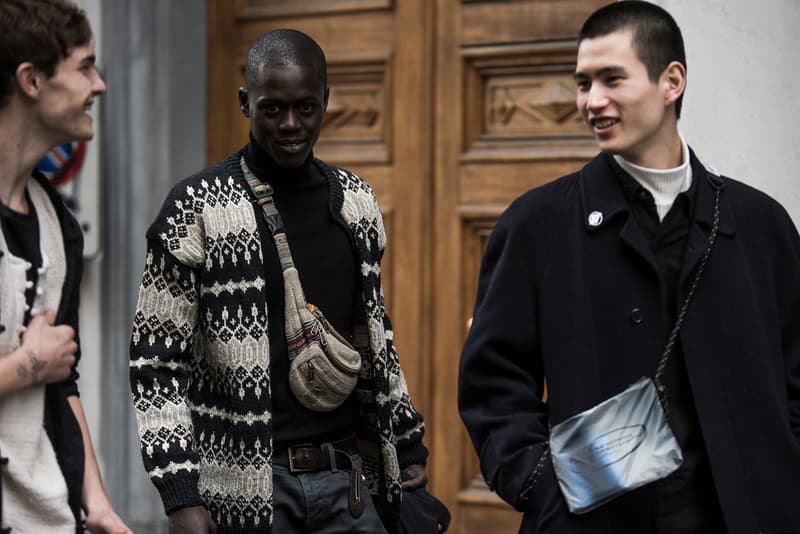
x=103, y=520
x=48, y=351
x=415, y=477
x=191, y=520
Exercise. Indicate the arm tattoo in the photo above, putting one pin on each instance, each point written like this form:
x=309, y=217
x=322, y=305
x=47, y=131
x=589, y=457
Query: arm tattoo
x=36, y=366
x=22, y=372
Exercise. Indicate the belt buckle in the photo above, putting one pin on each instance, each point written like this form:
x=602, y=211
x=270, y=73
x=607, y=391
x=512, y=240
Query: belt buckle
x=304, y=464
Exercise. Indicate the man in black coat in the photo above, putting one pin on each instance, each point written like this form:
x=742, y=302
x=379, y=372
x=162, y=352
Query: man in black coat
x=582, y=281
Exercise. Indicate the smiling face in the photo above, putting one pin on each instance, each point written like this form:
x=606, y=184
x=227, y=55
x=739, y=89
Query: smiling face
x=66, y=97
x=285, y=105
x=628, y=113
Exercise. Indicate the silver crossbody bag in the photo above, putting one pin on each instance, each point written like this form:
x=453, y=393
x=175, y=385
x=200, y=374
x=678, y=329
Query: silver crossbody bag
x=624, y=442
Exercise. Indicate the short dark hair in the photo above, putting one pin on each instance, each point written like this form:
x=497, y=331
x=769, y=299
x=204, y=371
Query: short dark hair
x=39, y=31
x=657, y=39
x=285, y=47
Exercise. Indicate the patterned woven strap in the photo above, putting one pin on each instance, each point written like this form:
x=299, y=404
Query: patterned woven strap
x=299, y=331
x=263, y=193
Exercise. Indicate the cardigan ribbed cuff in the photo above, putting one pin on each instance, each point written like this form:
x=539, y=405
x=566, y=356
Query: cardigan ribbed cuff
x=179, y=491
x=415, y=453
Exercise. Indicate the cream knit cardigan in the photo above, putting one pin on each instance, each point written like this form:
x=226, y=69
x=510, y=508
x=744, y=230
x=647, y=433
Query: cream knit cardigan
x=34, y=489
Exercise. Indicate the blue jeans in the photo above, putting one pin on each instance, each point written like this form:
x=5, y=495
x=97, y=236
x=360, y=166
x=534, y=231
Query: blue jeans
x=318, y=503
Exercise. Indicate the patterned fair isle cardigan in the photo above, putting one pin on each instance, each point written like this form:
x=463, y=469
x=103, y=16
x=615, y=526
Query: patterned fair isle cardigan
x=200, y=374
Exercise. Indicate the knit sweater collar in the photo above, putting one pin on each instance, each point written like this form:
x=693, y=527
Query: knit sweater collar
x=664, y=184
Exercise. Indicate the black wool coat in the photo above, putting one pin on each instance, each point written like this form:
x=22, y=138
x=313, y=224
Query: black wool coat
x=556, y=296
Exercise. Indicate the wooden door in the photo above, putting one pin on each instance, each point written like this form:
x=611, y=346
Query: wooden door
x=506, y=122
x=450, y=109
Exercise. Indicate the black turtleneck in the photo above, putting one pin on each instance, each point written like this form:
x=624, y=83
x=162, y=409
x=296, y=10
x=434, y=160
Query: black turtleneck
x=21, y=231
x=323, y=254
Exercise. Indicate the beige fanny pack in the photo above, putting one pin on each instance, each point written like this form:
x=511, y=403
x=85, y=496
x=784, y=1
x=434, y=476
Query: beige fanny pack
x=323, y=366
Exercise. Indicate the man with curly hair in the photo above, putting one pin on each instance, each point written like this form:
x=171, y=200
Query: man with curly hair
x=48, y=83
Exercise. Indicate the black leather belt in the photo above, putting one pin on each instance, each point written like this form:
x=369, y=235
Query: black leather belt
x=309, y=458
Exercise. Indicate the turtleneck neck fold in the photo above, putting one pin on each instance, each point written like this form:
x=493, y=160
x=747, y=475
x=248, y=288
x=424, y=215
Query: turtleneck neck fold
x=664, y=184
x=268, y=170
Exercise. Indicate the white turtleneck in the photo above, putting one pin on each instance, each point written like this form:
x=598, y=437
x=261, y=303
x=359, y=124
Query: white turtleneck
x=664, y=184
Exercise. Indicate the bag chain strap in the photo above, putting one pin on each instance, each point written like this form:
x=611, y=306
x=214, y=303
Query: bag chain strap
x=662, y=364
x=537, y=473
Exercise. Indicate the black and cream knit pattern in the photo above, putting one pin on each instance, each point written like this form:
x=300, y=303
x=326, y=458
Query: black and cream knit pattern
x=200, y=352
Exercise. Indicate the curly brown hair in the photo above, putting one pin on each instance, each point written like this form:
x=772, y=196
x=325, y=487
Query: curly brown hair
x=39, y=31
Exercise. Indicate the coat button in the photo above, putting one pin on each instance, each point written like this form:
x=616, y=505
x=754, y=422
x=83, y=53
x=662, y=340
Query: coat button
x=636, y=316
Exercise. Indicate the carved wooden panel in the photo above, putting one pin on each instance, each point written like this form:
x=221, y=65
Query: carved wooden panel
x=522, y=98
x=358, y=122
x=277, y=8
x=531, y=104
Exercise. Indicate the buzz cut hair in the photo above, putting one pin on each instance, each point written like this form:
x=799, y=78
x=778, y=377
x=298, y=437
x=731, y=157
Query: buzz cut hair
x=285, y=47
x=657, y=39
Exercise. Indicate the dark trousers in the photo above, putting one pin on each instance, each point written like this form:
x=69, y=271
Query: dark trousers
x=318, y=503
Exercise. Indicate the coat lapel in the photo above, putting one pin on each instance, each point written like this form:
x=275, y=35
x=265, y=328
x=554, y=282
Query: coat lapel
x=603, y=201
